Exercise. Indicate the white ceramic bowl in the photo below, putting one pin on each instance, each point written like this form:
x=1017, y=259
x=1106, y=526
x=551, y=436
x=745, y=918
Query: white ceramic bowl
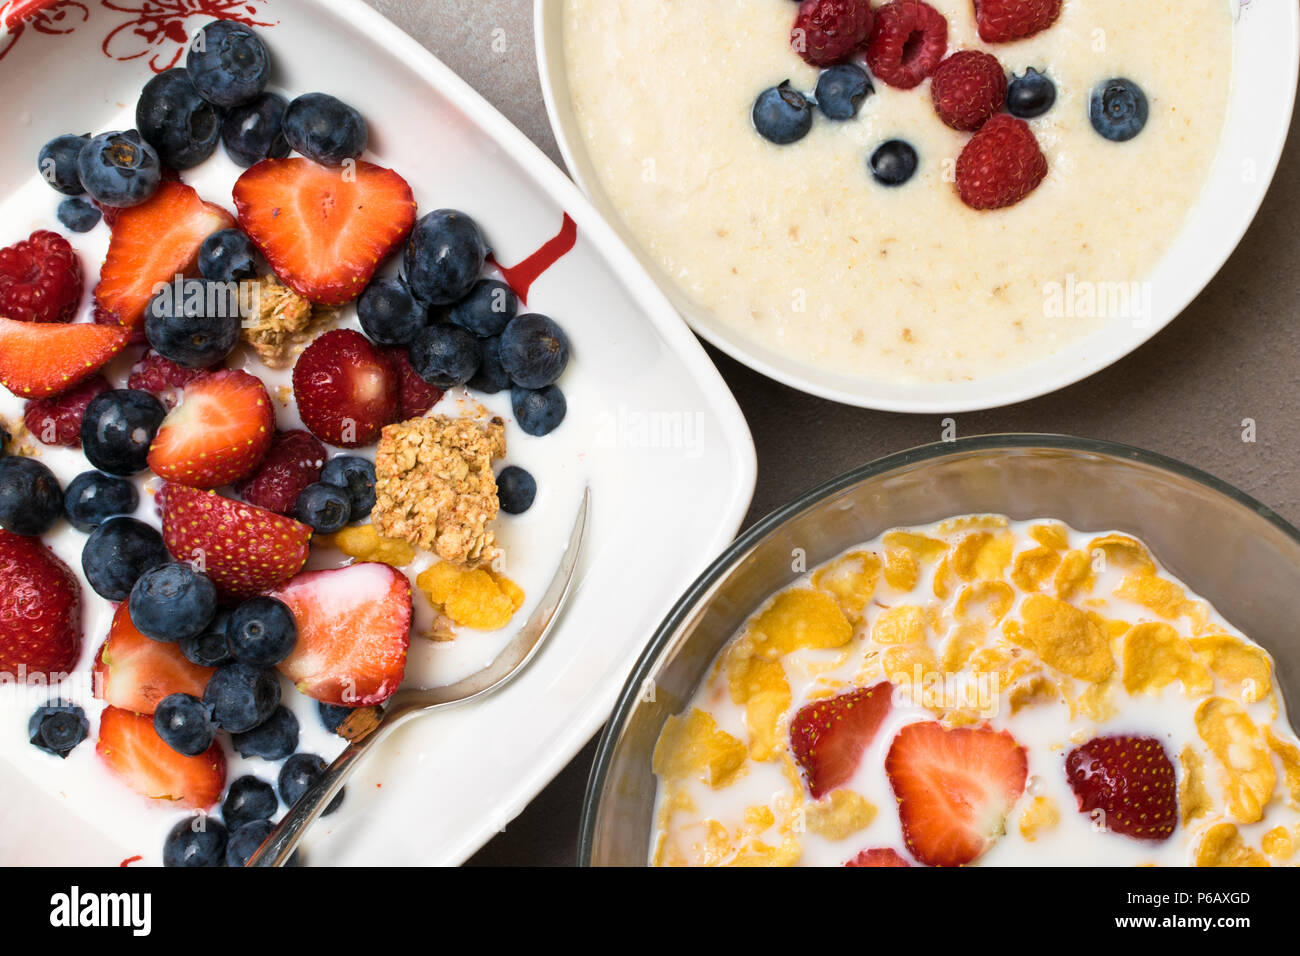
x=662, y=502
x=1267, y=54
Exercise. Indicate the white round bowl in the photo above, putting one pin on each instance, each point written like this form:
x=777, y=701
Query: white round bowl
x=1267, y=63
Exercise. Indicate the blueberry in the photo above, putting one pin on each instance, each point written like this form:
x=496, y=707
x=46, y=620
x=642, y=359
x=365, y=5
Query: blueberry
x=183, y=723
x=119, y=169
x=117, y=553
x=534, y=351
x=516, y=489
x=228, y=63
x=332, y=715
x=841, y=90
x=298, y=773
x=172, y=602
x=179, y=124
x=444, y=255
x=57, y=727
x=486, y=310
x=273, y=739
x=1118, y=109
x=491, y=376
x=30, y=497
x=249, y=798
x=228, y=256
x=196, y=841
x=356, y=476
x=1030, y=95
x=325, y=508
x=538, y=411
x=325, y=129
x=782, y=114
x=77, y=215
x=262, y=631
x=93, y=497
x=241, y=696
x=389, y=314
x=444, y=355
x=194, y=322
x=57, y=162
x=117, y=429
x=243, y=843
x=893, y=163
x=254, y=131
x=209, y=649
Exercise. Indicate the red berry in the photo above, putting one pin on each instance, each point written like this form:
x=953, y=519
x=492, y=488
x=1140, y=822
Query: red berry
x=57, y=420
x=40, y=360
x=162, y=378
x=40, y=279
x=968, y=88
x=217, y=434
x=828, y=31
x=293, y=462
x=132, y=749
x=907, y=43
x=828, y=737
x=415, y=395
x=885, y=856
x=1001, y=165
x=1126, y=784
x=135, y=672
x=1003, y=20
x=40, y=609
x=346, y=390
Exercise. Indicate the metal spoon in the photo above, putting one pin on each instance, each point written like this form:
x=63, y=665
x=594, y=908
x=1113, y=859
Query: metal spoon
x=368, y=726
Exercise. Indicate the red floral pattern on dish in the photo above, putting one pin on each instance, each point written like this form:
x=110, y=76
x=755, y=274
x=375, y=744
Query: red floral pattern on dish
x=59, y=17
x=159, y=30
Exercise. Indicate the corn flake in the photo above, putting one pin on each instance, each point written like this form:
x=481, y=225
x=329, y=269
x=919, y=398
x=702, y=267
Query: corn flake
x=987, y=601
x=694, y=746
x=905, y=624
x=1245, y=668
x=477, y=598
x=1193, y=799
x=762, y=687
x=1248, y=776
x=851, y=579
x=1289, y=754
x=1040, y=815
x=1051, y=534
x=1123, y=552
x=839, y=815
x=800, y=619
x=1155, y=655
x=1066, y=639
x=1033, y=567
x=1278, y=843
x=364, y=543
x=1222, y=846
x=1075, y=574
x=904, y=552
x=982, y=555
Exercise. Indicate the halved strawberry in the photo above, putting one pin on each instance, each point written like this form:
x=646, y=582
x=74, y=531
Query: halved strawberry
x=828, y=737
x=244, y=549
x=954, y=788
x=1128, y=784
x=132, y=749
x=354, y=626
x=882, y=856
x=152, y=243
x=346, y=389
x=324, y=230
x=135, y=672
x=217, y=434
x=40, y=360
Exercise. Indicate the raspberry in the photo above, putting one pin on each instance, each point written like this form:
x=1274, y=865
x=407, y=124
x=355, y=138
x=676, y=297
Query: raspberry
x=162, y=377
x=1003, y=20
x=293, y=462
x=968, y=88
x=828, y=31
x=415, y=395
x=1001, y=164
x=57, y=420
x=40, y=279
x=908, y=42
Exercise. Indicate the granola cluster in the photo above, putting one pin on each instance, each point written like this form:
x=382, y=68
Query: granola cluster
x=285, y=323
x=434, y=486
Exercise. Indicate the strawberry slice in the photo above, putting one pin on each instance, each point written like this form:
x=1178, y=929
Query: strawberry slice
x=40, y=611
x=883, y=856
x=40, y=360
x=244, y=549
x=1129, y=783
x=324, y=230
x=217, y=434
x=152, y=243
x=828, y=737
x=135, y=672
x=954, y=788
x=354, y=626
x=132, y=749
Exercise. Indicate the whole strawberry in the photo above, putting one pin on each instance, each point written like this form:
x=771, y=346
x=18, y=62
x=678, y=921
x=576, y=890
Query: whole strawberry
x=828, y=31
x=293, y=462
x=968, y=88
x=345, y=389
x=1001, y=165
x=57, y=420
x=907, y=43
x=1003, y=20
x=40, y=609
x=1126, y=784
x=40, y=279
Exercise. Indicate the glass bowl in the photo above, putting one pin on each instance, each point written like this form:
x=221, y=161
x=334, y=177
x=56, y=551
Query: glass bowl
x=1226, y=546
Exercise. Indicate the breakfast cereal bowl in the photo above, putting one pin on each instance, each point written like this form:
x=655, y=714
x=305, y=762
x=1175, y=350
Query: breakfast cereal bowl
x=1233, y=553
x=794, y=262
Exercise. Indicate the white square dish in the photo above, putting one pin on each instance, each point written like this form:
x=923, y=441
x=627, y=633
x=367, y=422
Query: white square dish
x=651, y=427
